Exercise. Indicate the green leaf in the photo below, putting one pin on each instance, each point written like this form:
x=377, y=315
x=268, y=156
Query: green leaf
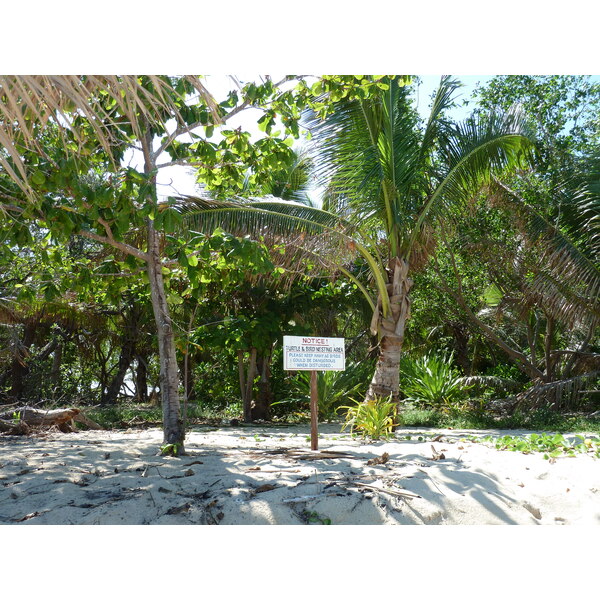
x=38, y=178
x=171, y=220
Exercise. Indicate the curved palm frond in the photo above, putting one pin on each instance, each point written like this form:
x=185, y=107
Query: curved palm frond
x=472, y=153
x=569, y=274
x=442, y=101
x=345, y=155
x=318, y=232
x=366, y=151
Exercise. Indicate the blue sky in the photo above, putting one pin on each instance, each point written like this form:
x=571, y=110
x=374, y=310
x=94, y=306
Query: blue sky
x=430, y=83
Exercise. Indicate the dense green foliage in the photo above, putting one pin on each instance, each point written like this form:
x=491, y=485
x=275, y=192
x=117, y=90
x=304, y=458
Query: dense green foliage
x=502, y=324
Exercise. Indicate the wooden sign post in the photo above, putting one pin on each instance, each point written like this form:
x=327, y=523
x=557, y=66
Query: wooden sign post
x=313, y=354
x=314, y=411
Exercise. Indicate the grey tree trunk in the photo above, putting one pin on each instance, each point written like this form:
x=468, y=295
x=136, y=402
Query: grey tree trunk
x=390, y=329
x=247, y=398
x=125, y=359
x=173, y=426
x=19, y=366
x=141, y=379
x=174, y=432
x=261, y=408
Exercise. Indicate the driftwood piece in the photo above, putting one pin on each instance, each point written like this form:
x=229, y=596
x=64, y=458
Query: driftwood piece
x=63, y=418
x=81, y=418
x=307, y=498
x=13, y=428
x=397, y=493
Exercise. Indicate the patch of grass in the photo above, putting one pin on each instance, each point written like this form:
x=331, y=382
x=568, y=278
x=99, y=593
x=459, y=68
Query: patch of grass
x=126, y=415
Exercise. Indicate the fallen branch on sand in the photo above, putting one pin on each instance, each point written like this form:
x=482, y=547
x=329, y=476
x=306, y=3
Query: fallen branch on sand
x=306, y=498
x=20, y=420
x=399, y=494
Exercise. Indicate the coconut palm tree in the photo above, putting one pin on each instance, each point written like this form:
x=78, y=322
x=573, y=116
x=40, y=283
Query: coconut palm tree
x=390, y=179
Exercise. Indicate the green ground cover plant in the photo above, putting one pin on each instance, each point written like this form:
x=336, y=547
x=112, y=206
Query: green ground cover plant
x=551, y=445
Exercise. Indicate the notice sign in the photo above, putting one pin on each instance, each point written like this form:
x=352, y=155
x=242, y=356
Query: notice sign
x=313, y=353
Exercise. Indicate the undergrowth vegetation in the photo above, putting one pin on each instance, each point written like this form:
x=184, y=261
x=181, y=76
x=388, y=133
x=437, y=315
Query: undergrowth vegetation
x=551, y=445
x=373, y=419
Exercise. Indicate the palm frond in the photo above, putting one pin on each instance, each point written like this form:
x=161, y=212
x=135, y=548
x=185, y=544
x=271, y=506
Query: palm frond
x=442, y=102
x=501, y=384
x=307, y=230
x=560, y=395
x=472, y=153
x=568, y=278
x=73, y=104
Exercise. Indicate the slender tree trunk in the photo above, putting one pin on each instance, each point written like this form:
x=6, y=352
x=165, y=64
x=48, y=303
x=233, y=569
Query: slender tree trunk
x=242, y=375
x=461, y=346
x=532, y=338
x=141, y=380
x=174, y=432
x=173, y=427
x=262, y=407
x=386, y=379
x=247, y=398
x=19, y=366
x=125, y=359
x=549, y=374
x=56, y=364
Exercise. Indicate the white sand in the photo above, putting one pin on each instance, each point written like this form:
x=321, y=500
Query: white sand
x=268, y=475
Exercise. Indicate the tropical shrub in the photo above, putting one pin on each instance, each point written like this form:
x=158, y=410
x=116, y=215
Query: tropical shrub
x=432, y=380
x=373, y=419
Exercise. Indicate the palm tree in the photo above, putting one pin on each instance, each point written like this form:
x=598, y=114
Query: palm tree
x=390, y=181
x=401, y=179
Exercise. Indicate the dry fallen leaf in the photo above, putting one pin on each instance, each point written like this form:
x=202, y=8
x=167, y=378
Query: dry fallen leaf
x=267, y=487
x=379, y=460
x=437, y=455
x=179, y=509
x=533, y=510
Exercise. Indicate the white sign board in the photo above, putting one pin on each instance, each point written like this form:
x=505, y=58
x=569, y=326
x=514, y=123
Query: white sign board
x=313, y=353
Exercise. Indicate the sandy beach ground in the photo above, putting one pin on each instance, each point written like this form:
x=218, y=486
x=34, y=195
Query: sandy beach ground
x=268, y=475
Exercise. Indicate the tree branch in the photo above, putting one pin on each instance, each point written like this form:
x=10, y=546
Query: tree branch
x=126, y=248
x=189, y=128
